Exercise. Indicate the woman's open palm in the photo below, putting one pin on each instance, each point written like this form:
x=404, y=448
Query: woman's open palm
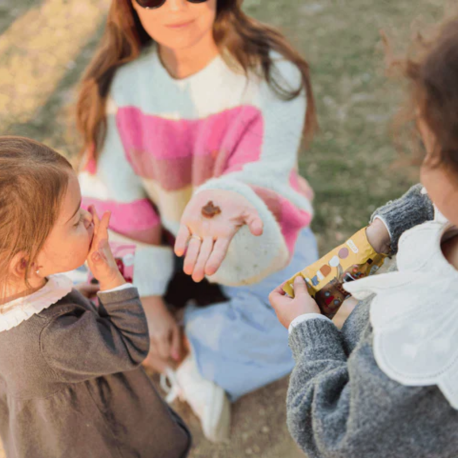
x=205, y=240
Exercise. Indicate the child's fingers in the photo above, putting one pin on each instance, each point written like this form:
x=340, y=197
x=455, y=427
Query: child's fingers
x=103, y=245
x=278, y=298
x=101, y=232
x=278, y=294
x=98, y=258
x=300, y=287
x=103, y=227
x=279, y=289
x=95, y=217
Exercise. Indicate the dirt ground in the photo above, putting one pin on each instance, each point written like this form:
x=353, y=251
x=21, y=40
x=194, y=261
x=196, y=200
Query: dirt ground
x=258, y=427
x=45, y=45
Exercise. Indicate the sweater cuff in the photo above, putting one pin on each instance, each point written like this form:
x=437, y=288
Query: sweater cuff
x=118, y=295
x=153, y=270
x=316, y=339
x=305, y=317
x=400, y=215
x=118, y=288
x=250, y=259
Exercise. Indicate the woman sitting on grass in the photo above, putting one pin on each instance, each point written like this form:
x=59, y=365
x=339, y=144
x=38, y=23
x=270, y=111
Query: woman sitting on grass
x=192, y=115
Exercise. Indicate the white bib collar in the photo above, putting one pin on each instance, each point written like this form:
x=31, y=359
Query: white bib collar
x=15, y=312
x=415, y=312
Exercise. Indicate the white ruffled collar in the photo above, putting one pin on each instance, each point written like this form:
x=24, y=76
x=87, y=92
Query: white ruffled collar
x=15, y=312
x=415, y=312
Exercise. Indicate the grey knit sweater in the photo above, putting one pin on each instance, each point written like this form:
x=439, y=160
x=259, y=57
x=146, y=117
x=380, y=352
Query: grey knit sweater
x=71, y=385
x=341, y=405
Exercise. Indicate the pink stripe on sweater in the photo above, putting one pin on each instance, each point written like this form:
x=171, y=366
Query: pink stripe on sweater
x=180, y=153
x=136, y=220
x=290, y=218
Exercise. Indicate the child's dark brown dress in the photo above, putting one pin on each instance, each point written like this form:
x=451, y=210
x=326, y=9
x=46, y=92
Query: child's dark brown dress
x=71, y=385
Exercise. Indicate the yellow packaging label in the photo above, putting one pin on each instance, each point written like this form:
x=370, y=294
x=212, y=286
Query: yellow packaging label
x=351, y=261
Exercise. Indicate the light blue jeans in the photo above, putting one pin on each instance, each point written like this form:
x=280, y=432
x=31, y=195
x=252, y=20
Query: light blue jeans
x=240, y=344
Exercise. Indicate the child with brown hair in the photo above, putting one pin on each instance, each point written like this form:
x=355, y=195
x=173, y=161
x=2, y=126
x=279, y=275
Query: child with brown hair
x=70, y=381
x=386, y=385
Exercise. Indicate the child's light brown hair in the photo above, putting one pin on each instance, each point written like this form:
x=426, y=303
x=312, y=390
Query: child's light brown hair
x=434, y=96
x=33, y=181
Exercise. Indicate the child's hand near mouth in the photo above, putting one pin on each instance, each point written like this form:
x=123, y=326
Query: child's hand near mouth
x=100, y=258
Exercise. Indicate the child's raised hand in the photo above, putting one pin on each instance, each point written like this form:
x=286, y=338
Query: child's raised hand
x=100, y=258
x=287, y=308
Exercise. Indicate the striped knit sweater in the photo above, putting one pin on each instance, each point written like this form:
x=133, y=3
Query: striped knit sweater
x=168, y=139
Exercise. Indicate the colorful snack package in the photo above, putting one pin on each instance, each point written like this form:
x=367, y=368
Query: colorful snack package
x=351, y=261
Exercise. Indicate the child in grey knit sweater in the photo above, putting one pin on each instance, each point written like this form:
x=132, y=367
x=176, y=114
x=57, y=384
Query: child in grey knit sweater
x=386, y=384
x=70, y=381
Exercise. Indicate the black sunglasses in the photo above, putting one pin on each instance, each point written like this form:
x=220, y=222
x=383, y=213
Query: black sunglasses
x=153, y=4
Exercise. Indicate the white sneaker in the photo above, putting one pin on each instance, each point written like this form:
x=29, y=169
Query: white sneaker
x=207, y=400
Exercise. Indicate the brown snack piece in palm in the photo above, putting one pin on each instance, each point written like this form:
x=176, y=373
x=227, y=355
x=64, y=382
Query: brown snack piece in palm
x=210, y=210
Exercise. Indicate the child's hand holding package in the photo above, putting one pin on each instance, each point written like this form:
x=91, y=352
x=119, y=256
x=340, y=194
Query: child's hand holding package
x=353, y=260
x=287, y=308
